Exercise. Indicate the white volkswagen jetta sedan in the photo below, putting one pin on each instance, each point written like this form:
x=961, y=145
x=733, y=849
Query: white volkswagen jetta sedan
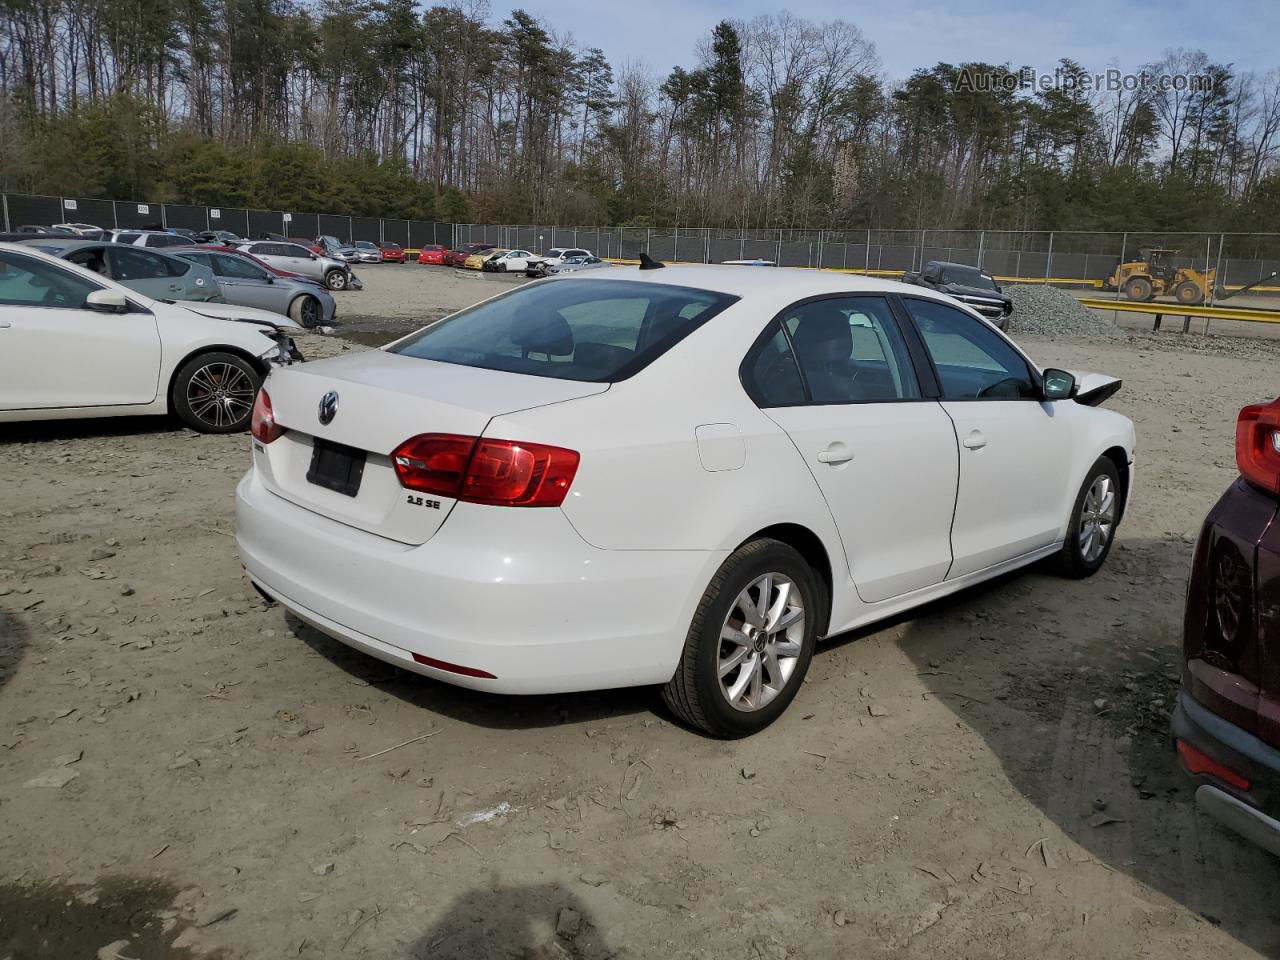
x=682, y=477
x=75, y=344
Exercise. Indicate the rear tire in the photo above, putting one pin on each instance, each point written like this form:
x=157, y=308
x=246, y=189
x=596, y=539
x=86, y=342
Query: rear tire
x=728, y=697
x=305, y=311
x=1095, y=516
x=214, y=392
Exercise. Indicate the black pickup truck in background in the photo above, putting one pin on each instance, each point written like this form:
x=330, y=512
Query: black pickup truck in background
x=968, y=285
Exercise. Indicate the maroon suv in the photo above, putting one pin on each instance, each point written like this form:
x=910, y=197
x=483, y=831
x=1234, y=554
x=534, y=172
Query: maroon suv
x=1227, y=723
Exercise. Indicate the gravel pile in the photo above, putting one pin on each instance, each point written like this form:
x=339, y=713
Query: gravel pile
x=1051, y=312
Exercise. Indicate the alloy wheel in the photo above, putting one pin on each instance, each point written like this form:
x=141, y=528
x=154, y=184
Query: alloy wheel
x=760, y=642
x=1097, y=518
x=220, y=394
x=310, y=312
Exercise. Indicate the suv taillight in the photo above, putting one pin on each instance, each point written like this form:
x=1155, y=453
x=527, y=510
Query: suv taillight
x=1258, y=445
x=263, y=424
x=503, y=473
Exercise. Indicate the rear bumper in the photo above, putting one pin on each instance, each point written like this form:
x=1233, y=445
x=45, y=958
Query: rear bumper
x=1253, y=812
x=515, y=593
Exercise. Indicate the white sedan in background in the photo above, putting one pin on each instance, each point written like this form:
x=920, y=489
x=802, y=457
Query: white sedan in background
x=683, y=477
x=75, y=344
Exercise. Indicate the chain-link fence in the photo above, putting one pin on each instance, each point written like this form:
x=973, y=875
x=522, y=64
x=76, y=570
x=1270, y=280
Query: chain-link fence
x=1066, y=258
x=1059, y=257
x=20, y=210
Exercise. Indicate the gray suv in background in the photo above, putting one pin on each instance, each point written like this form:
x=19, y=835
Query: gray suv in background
x=335, y=274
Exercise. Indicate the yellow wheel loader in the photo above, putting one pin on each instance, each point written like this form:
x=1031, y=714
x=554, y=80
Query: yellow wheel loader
x=1156, y=275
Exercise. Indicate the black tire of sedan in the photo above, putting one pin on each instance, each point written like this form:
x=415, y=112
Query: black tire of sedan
x=214, y=392
x=305, y=310
x=750, y=642
x=335, y=280
x=1094, y=518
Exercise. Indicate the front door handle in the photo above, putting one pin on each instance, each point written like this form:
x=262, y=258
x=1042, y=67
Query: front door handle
x=975, y=440
x=836, y=453
x=5, y=324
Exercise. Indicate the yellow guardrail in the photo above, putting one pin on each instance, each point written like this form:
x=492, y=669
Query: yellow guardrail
x=1161, y=310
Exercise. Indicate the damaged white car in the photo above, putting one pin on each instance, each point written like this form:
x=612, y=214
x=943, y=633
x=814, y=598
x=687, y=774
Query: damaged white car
x=75, y=344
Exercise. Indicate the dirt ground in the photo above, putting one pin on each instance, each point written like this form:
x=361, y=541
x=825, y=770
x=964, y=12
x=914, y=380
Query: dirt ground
x=235, y=785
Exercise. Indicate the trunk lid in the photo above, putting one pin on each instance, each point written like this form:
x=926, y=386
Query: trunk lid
x=382, y=400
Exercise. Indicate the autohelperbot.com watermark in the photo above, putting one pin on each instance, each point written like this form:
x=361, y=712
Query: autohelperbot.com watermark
x=1113, y=80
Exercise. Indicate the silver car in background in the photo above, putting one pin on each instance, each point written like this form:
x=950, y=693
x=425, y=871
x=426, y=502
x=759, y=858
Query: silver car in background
x=367, y=252
x=242, y=281
x=152, y=273
x=335, y=274
x=573, y=265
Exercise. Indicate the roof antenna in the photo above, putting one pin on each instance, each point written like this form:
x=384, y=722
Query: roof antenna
x=648, y=263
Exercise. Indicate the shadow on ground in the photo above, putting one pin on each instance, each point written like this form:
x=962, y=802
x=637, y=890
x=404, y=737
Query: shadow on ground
x=49, y=920
x=14, y=640
x=1079, y=720
x=494, y=711
x=39, y=431
x=519, y=922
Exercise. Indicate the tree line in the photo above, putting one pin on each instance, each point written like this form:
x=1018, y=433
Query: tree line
x=384, y=108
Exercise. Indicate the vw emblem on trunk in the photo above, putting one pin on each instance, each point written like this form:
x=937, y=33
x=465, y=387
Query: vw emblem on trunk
x=328, y=407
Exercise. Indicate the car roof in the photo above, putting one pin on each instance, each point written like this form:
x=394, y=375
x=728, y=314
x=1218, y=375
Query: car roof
x=61, y=244
x=952, y=263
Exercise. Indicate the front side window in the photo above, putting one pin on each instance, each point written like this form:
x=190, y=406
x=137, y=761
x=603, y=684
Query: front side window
x=27, y=282
x=850, y=351
x=590, y=330
x=973, y=361
x=292, y=250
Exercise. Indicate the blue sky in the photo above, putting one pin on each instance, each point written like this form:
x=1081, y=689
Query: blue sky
x=663, y=33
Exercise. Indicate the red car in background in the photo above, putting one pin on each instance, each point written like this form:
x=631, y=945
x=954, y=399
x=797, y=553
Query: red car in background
x=456, y=258
x=391, y=252
x=1226, y=725
x=432, y=253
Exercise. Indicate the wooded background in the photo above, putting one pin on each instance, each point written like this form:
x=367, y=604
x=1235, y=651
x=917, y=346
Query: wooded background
x=383, y=108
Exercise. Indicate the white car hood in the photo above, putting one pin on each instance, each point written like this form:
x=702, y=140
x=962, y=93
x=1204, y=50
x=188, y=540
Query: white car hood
x=231, y=311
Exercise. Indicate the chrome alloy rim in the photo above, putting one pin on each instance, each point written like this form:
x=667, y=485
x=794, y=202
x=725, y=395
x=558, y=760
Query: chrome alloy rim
x=760, y=642
x=220, y=394
x=1097, y=518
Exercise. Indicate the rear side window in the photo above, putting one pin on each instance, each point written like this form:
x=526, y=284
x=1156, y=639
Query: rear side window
x=591, y=330
x=770, y=374
x=127, y=237
x=851, y=351
x=130, y=263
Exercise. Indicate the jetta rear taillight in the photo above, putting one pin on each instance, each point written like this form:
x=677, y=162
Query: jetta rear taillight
x=503, y=473
x=1258, y=445
x=263, y=424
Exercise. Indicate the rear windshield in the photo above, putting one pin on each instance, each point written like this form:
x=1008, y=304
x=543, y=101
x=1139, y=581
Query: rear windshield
x=592, y=330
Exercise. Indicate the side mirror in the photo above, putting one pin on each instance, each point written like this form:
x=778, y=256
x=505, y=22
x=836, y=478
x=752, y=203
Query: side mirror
x=1059, y=385
x=313, y=256
x=107, y=301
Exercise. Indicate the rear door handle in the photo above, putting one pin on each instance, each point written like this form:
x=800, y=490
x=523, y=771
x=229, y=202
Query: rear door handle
x=975, y=440
x=5, y=324
x=836, y=453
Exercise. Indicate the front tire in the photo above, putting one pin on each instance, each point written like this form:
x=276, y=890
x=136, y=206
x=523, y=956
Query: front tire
x=214, y=392
x=305, y=311
x=1138, y=289
x=1094, y=518
x=750, y=642
x=335, y=280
